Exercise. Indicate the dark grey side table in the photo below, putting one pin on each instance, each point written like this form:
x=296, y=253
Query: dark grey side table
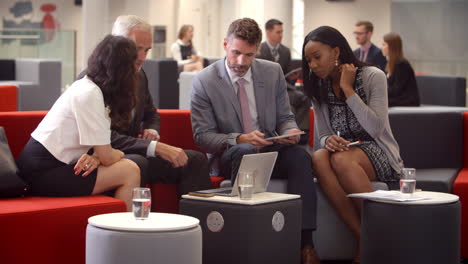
x=426, y=231
x=266, y=229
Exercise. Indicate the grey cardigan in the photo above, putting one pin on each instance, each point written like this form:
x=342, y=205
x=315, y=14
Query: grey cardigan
x=373, y=117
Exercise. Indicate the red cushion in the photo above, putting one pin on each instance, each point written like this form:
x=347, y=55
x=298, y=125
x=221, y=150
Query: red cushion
x=19, y=126
x=8, y=98
x=164, y=198
x=465, y=139
x=176, y=128
x=460, y=188
x=216, y=181
x=49, y=229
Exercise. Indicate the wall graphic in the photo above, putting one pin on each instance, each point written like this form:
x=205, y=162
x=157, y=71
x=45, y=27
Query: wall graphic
x=23, y=19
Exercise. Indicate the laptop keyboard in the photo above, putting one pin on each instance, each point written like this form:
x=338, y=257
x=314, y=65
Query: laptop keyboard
x=226, y=190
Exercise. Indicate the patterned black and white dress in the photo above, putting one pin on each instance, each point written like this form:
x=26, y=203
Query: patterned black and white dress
x=342, y=119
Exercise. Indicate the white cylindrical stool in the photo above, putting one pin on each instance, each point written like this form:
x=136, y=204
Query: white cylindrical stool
x=162, y=238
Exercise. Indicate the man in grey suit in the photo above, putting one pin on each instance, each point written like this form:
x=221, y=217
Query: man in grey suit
x=239, y=100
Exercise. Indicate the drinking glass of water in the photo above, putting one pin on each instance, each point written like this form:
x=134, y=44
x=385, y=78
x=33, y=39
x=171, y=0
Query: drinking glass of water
x=408, y=180
x=246, y=181
x=141, y=203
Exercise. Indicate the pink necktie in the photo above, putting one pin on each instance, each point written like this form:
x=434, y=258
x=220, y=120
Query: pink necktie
x=364, y=55
x=244, y=104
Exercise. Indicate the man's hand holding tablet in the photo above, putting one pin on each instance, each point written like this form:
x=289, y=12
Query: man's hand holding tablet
x=291, y=137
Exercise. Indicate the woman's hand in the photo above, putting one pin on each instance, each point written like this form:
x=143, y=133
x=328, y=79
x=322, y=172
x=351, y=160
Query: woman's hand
x=335, y=143
x=107, y=155
x=348, y=75
x=86, y=164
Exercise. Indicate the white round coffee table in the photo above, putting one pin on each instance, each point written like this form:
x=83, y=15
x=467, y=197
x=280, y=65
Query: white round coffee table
x=162, y=238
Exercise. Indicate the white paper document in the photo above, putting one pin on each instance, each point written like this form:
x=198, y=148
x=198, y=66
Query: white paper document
x=396, y=196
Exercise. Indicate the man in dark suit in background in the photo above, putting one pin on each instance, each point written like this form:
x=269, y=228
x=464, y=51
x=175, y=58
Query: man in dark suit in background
x=168, y=164
x=368, y=52
x=272, y=49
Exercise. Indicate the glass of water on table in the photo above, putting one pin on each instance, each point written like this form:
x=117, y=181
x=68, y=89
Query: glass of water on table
x=408, y=180
x=246, y=182
x=141, y=203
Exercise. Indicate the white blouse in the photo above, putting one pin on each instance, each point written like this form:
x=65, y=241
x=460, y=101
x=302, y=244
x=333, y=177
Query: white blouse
x=76, y=122
x=177, y=54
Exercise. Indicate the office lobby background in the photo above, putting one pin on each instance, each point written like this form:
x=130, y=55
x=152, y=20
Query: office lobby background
x=433, y=31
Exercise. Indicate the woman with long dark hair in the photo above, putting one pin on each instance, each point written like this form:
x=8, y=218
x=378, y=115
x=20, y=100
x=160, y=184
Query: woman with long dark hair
x=69, y=153
x=184, y=52
x=402, y=86
x=350, y=104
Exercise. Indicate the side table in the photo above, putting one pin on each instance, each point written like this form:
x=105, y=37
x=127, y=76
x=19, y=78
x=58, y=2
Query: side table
x=163, y=238
x=425, y=231
x=266, y=229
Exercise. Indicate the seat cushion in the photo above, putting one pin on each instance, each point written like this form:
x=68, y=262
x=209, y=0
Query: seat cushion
x=11, y=185
x=18, y=127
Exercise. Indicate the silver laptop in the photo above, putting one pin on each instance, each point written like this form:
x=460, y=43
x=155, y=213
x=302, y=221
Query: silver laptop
x=261, y=163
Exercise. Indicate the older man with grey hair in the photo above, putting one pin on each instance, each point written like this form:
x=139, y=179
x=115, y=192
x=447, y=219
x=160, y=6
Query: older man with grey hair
x=167, y=164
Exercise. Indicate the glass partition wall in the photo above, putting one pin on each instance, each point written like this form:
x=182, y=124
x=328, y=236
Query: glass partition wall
x=43, y=44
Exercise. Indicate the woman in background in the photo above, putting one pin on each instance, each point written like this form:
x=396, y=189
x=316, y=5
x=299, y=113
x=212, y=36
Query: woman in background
x=69, y=153
x=402, y=86
x=350, y=105
x=184, y=53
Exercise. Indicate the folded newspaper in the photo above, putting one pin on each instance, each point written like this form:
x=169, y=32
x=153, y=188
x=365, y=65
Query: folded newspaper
x=396, y=196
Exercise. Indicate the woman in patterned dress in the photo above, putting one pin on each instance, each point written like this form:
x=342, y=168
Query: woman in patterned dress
x=350, y=104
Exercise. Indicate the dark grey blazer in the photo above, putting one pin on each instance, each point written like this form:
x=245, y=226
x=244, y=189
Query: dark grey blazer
x=215, y=109
x=374, y=57
x=284, y=55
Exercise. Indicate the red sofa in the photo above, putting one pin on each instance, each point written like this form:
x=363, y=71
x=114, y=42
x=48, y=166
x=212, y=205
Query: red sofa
x=43, y=229
x=460, y=188
x=52, y=230
x=8, y=97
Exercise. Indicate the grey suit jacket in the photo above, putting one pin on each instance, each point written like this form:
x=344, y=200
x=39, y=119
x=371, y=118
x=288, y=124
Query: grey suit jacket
x=284, y=56
x=215, y=109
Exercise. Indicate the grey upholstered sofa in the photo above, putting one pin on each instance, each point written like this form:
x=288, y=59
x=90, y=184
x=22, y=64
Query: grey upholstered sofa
x=38, y=81
x=441, y=90
x=162, y=82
